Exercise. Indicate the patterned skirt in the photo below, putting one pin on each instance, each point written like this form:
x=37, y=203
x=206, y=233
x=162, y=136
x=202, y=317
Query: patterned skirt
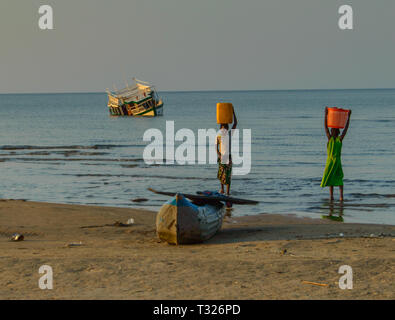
x=224, y=173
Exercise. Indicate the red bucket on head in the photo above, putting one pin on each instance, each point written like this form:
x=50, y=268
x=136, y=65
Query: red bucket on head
x=337, y=117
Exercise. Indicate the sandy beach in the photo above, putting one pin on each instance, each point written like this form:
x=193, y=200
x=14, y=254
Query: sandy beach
x=254, y=257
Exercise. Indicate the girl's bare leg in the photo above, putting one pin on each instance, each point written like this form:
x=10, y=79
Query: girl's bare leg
x=222, y=188
x=341, y=193
x=227, y=189
x=331, y=192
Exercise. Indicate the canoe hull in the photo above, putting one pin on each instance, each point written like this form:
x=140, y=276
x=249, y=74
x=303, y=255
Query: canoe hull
x=181, y=222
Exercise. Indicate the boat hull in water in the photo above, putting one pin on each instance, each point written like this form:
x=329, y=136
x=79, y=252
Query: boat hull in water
x=127, y=110
x=180, y=221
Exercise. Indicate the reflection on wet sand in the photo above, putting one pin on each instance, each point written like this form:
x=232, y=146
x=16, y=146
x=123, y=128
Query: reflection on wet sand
x=335, y=211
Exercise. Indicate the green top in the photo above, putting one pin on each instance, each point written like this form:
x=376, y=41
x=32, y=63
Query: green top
x=333, y=174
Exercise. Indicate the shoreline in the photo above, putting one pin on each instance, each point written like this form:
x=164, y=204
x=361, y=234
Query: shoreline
x=264, y=256
x=154, y=209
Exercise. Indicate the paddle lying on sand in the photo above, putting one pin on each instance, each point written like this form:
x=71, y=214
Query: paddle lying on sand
x=201, y=196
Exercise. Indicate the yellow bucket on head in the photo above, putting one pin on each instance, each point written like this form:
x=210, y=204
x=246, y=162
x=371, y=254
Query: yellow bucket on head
x=224, y=112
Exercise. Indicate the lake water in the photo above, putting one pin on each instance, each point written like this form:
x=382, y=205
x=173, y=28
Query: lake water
x=66, y=148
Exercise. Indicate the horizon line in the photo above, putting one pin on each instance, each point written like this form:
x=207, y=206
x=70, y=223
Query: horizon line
x=190, y=91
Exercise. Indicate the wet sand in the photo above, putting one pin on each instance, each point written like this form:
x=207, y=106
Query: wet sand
x=255, y=257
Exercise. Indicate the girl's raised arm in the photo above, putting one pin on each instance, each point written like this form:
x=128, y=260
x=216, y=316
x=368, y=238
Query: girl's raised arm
x=326, y=124
x=234, y=120
x=346, y=127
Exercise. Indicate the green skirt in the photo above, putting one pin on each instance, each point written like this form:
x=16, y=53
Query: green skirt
x=333, y=173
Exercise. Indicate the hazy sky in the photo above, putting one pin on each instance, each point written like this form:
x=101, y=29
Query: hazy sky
x=196, y=45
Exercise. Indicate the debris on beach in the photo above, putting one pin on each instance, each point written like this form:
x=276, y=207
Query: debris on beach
x=118, y=224
x=130, y=221
x=380, y=235
x=315, y=283
x=140, y=200
x=17, y=237
x=74, y=244
x=115, y=224
x=334, y=241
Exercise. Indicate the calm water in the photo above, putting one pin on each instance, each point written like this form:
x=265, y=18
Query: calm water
x=66, y=148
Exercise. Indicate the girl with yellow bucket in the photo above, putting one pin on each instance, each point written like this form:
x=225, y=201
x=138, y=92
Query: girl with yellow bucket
x=225, y=116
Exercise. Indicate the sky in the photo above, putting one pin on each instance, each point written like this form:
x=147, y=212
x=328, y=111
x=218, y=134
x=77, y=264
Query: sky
x=196, y=45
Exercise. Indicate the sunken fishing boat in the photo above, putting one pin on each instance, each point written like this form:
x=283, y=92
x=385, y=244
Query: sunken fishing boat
x=140, y=99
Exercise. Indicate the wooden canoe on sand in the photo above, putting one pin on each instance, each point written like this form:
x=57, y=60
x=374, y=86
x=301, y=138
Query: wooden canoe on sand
x=180, y=221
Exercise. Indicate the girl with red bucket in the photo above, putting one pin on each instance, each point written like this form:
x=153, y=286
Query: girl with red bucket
x=333, y=174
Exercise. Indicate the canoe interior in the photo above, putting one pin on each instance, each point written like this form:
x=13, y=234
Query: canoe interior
x=202, y=197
